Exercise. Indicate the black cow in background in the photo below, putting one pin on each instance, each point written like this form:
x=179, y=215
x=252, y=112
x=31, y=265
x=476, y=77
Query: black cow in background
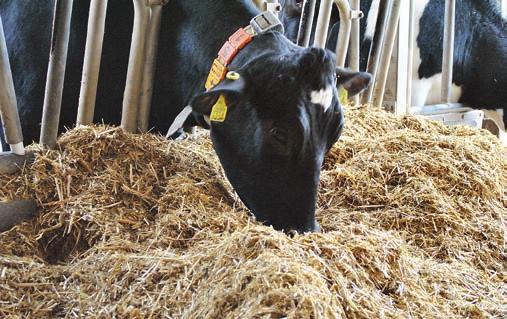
x=283, y=111
x=480, y=50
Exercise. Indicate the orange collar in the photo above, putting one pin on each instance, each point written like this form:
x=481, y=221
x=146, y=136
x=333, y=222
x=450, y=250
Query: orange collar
x=260, y=24
x=229, y=50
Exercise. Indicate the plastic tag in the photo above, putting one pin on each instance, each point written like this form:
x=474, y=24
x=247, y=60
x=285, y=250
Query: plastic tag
x=343, y=96
x=219, y=110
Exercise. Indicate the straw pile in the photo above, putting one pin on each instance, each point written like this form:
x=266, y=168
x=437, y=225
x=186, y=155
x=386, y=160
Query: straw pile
x=414, y=218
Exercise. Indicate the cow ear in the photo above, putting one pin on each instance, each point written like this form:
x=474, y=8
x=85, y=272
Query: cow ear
x=203, y=103
x=353, y=82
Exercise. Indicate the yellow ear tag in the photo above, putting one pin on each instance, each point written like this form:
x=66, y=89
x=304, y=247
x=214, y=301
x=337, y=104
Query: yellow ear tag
x=231, y=75
x=219, y=110
x=343, y=95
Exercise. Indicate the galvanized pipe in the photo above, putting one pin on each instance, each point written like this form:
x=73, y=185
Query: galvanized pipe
x=306, y=23
x=376, y=49
x=149, y=68
x=354, y=50
x=8, y=104
x=323, y=23
x=133, y=86
x=13, y=213
x=91, y=65
x=387, y=50
x=411, y=45
x=273, y=6
x=56, y=72
x=448, y=54
x=321, y=30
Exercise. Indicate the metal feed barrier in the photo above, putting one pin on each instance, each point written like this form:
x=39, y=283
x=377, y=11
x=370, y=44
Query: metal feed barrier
x=137, y=96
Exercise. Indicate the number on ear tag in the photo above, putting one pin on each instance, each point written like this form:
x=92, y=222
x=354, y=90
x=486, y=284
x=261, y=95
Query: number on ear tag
x=219, y=110
x=343, y=96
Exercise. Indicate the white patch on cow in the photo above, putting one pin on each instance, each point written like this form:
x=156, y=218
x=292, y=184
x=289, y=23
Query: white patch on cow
x=433, y=96
x=497, y=117
x=371, y=20
x=428, y=91
x=323, y=97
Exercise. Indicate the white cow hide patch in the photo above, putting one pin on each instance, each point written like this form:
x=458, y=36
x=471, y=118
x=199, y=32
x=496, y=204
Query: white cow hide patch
x=324, y=97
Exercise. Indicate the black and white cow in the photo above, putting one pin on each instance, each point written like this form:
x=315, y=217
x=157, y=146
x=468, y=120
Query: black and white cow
x=479, y=77
x=283, y=113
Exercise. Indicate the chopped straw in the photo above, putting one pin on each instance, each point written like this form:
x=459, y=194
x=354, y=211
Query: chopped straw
x=135, y=226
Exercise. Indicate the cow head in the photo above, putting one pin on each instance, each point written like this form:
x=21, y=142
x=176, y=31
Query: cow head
x=283, y=115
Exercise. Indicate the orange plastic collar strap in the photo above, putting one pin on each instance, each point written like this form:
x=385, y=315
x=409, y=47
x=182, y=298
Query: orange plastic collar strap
x=229, y=50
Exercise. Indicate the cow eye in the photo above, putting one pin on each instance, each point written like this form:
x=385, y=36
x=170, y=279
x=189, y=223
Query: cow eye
x=279, y=135
x=299, y=3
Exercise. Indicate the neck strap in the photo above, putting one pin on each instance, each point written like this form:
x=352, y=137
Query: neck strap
x=260, y=24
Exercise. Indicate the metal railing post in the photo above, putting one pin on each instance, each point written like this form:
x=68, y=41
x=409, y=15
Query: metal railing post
x=8, y=104
x=321, y=30
x=411, y=45
x=91, y=65
x=153, y=33
x=387, y=50
x=131, y=97
x=448, y=47
x=273, y=6
x=376, y=49
x=56, y=72
x=354, y=50
x=323, y=23
x=306, y=23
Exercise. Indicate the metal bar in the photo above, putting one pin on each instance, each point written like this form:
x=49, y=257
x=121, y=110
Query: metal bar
x=91, y=65
x=150, y=64
x=273, y=6
x=411, y=45
x=321, y=30
x=440, y=108
x=56, y=72
x=8, y=104
x=13, y=213
x=10, y=163
x=306, y=23
x=387, y=50
x=354, y=49
x=323, y=23
x=132, y=95
x=448, y=54
x=342, y=43
x=376, y=49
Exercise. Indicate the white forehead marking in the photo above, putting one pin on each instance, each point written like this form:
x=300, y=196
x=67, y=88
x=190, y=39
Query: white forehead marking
x=323, y=97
